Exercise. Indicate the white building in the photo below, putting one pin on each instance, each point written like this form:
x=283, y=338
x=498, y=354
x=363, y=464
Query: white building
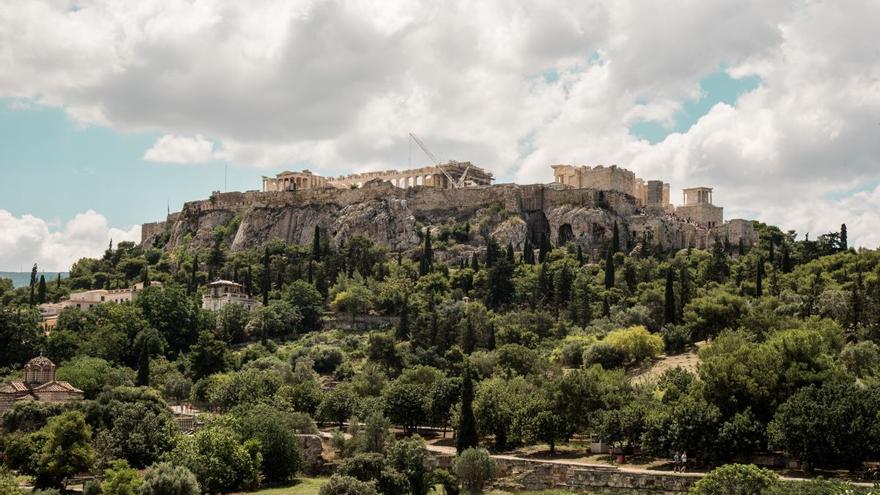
x=223, y=292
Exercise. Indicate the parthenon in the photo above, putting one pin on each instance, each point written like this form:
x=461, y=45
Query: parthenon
x=446, y=176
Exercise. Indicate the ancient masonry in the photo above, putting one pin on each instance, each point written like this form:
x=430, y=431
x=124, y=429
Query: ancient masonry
x=393, y=208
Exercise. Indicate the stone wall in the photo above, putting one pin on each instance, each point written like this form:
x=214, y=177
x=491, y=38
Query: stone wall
x=514, y=474
x=313, y=453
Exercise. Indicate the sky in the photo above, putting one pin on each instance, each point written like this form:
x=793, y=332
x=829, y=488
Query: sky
x=113, y=112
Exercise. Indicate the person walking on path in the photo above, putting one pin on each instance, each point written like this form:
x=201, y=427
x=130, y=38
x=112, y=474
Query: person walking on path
x=676, y=460
x=684, y=461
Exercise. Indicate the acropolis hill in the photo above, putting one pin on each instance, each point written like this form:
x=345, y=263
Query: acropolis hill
x=392, y=207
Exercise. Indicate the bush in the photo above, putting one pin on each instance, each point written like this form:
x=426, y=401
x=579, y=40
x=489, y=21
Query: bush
x=445, y=479
x=736, y=479
x=817, y=487
x=605, y=355
x=120, y=479
x=326, y=358
x=637, y=343
x=167, y=479
x=474, y=467
x=373, y=467
x=89, y=488
x=346, y=485
x=676, y=339
x=8, y=483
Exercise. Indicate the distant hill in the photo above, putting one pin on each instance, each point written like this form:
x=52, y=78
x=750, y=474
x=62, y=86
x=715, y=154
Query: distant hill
x=23, y=279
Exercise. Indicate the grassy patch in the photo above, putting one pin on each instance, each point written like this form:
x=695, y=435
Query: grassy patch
x=539, y=492
x=303, y=486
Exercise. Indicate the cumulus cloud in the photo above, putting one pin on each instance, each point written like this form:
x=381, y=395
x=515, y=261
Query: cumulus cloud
x=26, y=240
x=180, y=149
x=512, y=85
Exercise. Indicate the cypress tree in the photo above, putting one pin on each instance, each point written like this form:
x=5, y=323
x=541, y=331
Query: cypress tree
x=41, y=290
x=316, y=244
x=399, y=258
x=491, y=252
x=58, y=281
x=685, y=292
x=468, y=338
x=615, y=239
x=669, y=308
x=33, y=285
x=148, y=343
x=266, y=277
x=248, y=281
x=609, y=270
x=193, y=280
x=543, y=248
x=759, y=277
x=510, y=258
x=426, y=262
x=528, y=252
x=475, y=263
x=145, y=276
x=580, y=256
x=402, y=331
x=742, y=247
x=857, y=302
x=606, y=307
x=843, y=241
x=718, y=267
x=466, y=435
x=311, y=272
x=771, y=251
x=786, y=258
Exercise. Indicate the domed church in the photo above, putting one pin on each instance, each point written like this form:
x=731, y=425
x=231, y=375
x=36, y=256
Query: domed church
x=39, y=384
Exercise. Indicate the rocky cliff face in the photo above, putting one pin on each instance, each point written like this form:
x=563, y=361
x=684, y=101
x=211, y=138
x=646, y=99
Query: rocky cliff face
x=394, y=218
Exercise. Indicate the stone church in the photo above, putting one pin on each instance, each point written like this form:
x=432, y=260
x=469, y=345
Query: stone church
x=39, y=384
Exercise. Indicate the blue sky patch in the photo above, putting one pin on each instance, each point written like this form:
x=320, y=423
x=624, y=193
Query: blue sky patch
x=716, y=87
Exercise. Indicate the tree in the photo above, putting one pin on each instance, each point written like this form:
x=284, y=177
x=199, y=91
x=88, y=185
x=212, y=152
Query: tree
x=615, y=239
x=220, y=459
x=316, y=244
x=833, y=424
x=267, y=276
x=409, y=457
x=474, y=468
x=208, y=356
x=337, y=405
x=41, y=290
x=543, y=248
x=372, y=467
x=609, y=269
x=9, y=483
x=550, y=428
x=193, y=279
x=401, y=331
x=669, y=308
x=426, y=261
x=308, y=301
x=406, y=405
x=120, y=479
x=466, y=431
x=736, y=479
x=33, y=285
x=91, y=375
x=842, y=240
x=167, y=479
x=528, y=252
x=281, y=451
x=148, y=342
x=66, y=450
x=138, y=429
x=500, y=283
x=759, y=277
x=718, y=269
x=346, y=485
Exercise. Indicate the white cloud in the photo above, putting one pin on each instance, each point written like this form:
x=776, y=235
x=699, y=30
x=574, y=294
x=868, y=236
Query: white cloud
x=27, y=240
x=180, y=149
x=512, y=85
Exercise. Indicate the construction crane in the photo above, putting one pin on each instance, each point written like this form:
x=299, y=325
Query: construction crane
x=424, y=147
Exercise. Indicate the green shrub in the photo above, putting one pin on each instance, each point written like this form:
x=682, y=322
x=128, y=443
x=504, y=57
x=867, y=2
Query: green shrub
x=167, y=479
x=474, y=468
x=637, y=343
x=736, y=479
x=346, y=485
x=605, y=355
